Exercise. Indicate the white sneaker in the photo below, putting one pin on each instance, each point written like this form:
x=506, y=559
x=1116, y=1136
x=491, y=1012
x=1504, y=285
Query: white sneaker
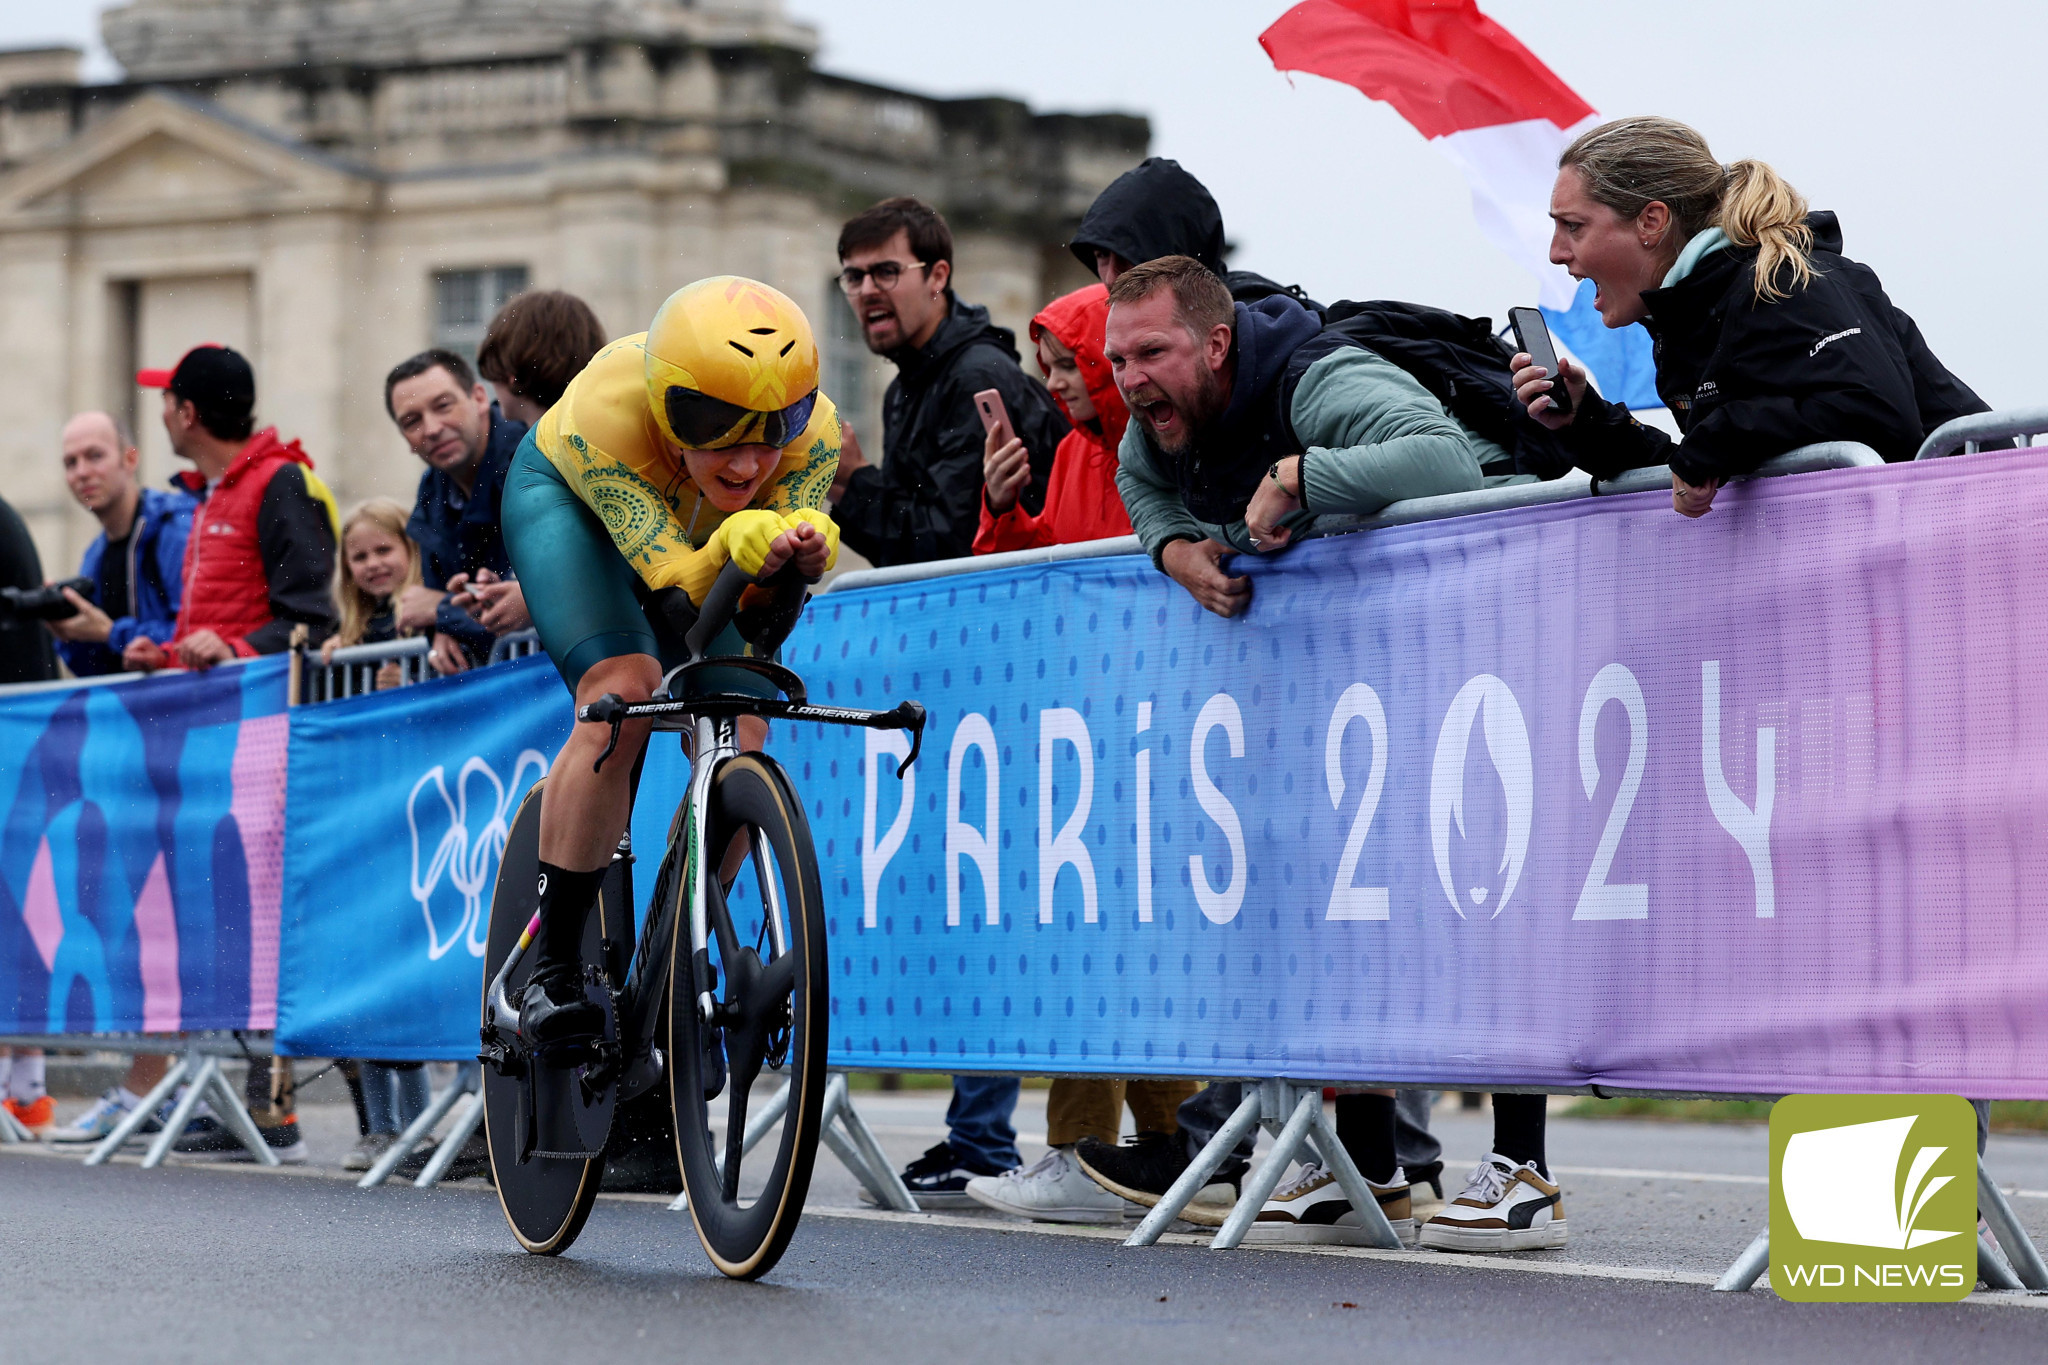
x=1053, y=1189
x=104, y=1115
x=1312, y=1207
x=1504, y=1207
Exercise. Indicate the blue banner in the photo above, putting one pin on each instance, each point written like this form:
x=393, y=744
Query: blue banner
x=398, y=808
x=140, y=857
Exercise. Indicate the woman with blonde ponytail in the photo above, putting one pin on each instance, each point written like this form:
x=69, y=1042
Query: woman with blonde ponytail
x=1767, y=337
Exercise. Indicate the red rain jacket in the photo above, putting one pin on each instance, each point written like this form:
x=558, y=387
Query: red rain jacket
x=1081, y=501
x=261, y=554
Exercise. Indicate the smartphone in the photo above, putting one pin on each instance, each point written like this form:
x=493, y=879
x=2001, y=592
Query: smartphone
x=994, y=416
x=1532, y=335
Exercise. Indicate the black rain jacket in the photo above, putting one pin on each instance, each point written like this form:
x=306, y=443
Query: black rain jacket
x=1157, y=209
x=924, y=502
x=1747, y=379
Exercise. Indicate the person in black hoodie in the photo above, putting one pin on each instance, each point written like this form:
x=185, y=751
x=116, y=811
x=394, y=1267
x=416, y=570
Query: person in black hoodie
x=924, y=503
x=1157, y=209
x=1766, y=337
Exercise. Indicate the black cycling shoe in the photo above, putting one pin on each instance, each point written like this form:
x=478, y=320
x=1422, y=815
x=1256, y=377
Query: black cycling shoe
x=554, y=1009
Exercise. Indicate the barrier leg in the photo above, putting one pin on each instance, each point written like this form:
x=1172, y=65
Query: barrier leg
x=1749, y=1266
x=1252, y=1196
x=758, y=1124
x=1992, y=1267
x=199, y=1086
x=2012, y=1238
x=1198, y=1172
x=469, y=1080
x=178, y=1073
x=1349, y=1179
x=415, y=1133
x=872, y=1166
x=229, y=1109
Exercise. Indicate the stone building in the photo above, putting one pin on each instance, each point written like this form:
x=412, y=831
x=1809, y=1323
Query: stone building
x=331, y=185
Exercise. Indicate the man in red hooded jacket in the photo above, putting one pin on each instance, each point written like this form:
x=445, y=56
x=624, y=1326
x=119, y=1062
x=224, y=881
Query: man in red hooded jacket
x=1081, y=501
x=260, y=558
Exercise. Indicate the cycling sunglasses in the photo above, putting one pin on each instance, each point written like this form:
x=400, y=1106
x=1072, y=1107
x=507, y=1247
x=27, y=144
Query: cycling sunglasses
x=706, y=423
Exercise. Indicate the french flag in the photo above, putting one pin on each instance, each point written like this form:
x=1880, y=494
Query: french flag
x=1504, y=117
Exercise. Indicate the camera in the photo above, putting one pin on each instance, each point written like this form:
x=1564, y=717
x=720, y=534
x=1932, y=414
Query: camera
x=46, y=603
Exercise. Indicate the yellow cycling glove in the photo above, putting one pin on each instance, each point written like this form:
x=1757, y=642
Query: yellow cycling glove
x=830, y=528
x=746, y=536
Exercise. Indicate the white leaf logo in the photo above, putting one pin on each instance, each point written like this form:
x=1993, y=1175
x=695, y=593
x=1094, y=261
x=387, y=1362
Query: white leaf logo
x=1485, y=699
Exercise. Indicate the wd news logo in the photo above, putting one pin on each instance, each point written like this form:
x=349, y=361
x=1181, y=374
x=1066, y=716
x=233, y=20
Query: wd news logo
x=1873, y=1198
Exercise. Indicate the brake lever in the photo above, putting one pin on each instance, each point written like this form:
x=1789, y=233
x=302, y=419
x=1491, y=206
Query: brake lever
x=916, y=717
x=610, y=709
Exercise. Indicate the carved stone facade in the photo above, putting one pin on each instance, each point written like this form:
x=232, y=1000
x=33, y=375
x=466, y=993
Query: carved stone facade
x=332, y=185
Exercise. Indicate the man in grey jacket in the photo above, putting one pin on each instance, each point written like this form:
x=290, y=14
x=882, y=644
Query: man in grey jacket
x=1250, y=419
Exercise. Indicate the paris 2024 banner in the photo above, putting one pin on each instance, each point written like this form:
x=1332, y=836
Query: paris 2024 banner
x=1586, y=792
x=141, y=841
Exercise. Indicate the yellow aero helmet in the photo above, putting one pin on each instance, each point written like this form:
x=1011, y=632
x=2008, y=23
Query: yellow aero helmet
x=730, y=362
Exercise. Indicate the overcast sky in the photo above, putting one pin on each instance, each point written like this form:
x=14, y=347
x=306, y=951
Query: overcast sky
x=1921, y=126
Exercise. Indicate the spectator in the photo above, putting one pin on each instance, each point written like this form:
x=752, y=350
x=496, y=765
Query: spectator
x=1248, y=417
x=138, y=558
x=446, y=415
x=1157, y=209
x=378, y=562
x=1768, y=338
x=261, y=554
x=25, y=653
x=923, y=503
x=1081, y=501
x=538, y=342
x=23, y=1091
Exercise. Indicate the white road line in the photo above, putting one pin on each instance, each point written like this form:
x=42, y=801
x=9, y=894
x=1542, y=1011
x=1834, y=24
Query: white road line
x=1420, y=1256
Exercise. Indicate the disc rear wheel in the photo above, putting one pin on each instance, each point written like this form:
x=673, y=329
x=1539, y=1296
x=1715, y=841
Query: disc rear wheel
x=765, y=968
x=546, y=1199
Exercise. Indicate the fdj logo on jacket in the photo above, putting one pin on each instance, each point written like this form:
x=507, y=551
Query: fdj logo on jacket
x=1873, y=1198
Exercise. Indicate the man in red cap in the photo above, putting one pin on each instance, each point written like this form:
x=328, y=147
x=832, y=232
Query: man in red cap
x=260, y=558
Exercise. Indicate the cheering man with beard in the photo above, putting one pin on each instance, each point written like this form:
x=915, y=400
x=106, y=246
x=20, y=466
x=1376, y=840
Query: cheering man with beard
x=1247, y=420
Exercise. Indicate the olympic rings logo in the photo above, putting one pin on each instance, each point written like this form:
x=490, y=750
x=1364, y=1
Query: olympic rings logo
x=470, y=862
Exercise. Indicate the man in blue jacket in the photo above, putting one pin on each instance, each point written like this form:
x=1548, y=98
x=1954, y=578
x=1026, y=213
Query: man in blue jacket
x=467, y=595
x=136, y=564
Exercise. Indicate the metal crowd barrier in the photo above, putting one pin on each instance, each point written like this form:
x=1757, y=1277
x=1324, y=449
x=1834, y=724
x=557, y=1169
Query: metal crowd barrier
x=197, y=1069
x=516, y=645
x=1967, y=435
x=352, y=671
x=1292, y=1111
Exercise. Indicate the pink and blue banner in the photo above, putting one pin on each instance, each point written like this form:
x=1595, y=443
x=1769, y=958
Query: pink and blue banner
x=141, y=853
x=1582, y=793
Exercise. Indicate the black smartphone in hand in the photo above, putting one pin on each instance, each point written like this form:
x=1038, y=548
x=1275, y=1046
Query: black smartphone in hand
x=1532, y=335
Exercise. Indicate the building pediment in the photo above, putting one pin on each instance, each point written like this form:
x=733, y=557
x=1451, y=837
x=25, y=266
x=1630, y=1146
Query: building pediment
x=166, y=159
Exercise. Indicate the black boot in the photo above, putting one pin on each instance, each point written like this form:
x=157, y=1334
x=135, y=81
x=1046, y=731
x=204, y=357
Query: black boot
x=554, y=1008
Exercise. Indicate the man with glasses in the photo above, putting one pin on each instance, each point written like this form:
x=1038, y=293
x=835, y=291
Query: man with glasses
x=924, y=502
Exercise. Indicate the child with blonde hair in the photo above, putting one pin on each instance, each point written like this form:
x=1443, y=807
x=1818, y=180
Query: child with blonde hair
x=378, y=561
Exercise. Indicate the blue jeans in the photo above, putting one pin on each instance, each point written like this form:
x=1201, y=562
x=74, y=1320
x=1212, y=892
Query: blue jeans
x=979, y=1119
x=393, y=1096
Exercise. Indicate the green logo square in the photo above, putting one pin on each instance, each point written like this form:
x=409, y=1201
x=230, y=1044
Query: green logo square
x=1873, y=1198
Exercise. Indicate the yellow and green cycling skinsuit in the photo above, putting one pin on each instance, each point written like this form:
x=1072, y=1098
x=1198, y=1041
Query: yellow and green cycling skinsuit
x=599, y=508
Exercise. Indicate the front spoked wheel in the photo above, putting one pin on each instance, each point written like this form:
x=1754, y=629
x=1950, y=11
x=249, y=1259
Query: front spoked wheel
x=765, y=969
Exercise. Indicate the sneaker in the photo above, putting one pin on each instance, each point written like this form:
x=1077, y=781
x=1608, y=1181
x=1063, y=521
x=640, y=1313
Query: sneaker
x=1504, y=1207
x=368, y=1148
x=209, y=1140
x=1050, y=1190
x=100, y=1119
x=1312, y=1208
x=37, y=1115
x=1145, y=1168
x=938, y=1180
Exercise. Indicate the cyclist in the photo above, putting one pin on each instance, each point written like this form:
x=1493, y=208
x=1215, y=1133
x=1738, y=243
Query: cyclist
x=701, y=441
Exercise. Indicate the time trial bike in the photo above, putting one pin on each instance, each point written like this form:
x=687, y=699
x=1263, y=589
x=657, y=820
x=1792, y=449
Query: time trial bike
x=728, y=978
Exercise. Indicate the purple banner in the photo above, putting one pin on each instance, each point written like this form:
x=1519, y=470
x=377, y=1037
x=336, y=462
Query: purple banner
x=1583, y=793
